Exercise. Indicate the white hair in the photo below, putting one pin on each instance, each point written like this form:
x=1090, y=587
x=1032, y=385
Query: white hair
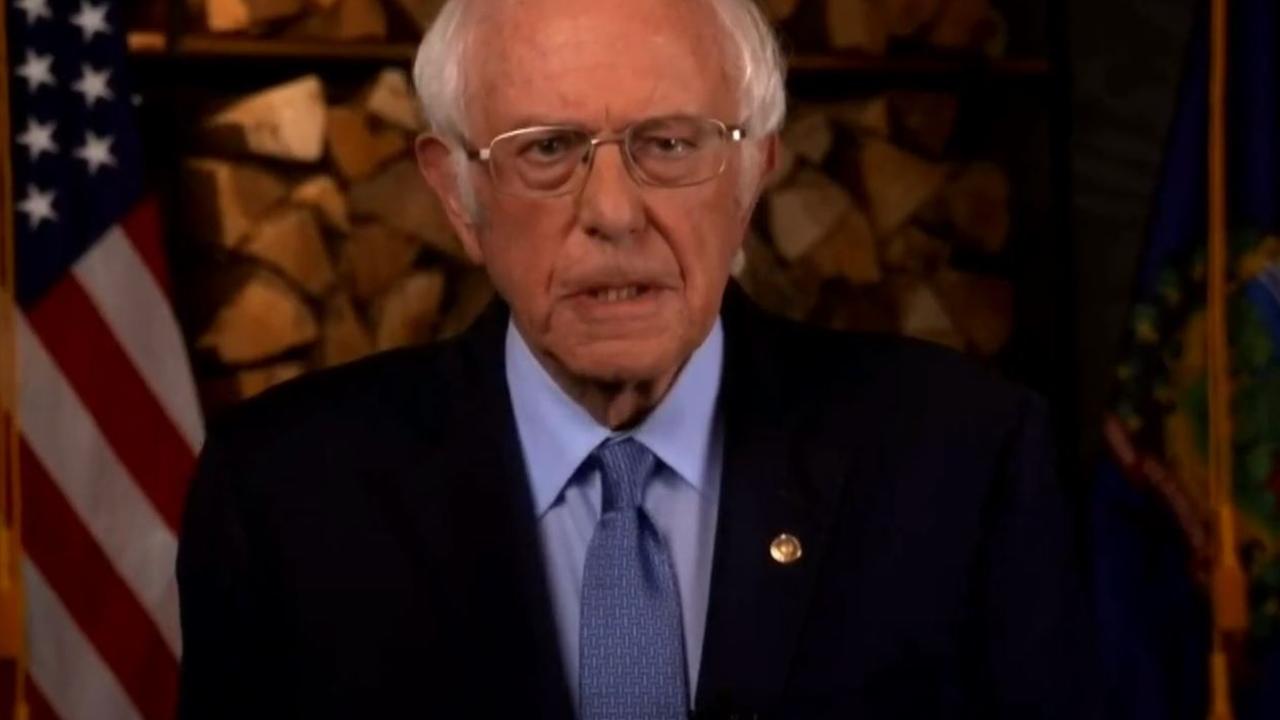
x=437, y=71
x=752, y=48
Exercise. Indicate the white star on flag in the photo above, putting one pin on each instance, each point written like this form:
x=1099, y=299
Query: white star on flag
x=93, y=84
x=38, y=138
x=96, y=151
x=37, y=70
x=37, y=206
x=34, y=10
x=91, y=19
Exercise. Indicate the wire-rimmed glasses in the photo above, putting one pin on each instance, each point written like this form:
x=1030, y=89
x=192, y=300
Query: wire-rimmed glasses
x=552, y=160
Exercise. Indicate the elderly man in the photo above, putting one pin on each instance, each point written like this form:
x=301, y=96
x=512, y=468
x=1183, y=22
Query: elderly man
x=626, y=493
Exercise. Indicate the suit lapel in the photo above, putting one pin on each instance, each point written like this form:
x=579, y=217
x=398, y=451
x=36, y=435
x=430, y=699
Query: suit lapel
x=783, y=473
x=464, y=506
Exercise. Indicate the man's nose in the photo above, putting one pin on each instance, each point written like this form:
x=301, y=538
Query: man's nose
x=610, y=207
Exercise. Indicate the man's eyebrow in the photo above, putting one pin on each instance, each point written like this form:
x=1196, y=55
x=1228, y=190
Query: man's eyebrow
x=533, y=120
x=528, y=121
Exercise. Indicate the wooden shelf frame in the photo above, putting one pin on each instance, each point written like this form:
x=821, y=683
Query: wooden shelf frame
x=153, y=44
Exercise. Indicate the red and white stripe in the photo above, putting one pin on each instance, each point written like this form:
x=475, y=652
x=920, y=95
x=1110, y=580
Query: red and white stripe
x=110, y=428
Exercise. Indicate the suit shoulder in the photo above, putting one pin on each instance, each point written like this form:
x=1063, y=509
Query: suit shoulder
x=909, y=372
x=355, y=400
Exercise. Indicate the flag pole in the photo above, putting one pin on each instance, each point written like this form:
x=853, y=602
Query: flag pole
x=12, y=625
x=1227, y=585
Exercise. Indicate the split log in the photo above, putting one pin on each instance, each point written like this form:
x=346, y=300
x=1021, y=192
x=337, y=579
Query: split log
x=977, y=205
x=907, y=17
x=848, y=252
x=223, y=200
x=862, y=117
x=356, y=147
x=969, y=25
x=981, y=307
x=771, y=284
x=857, y=308
x=857, y=25
x=390, y=98
x=263, y=319
x=259, y=380
x=235, y=15
x=805, y=211
x=322, y=194
x=407, y=313
x=224, y=392
x=924, y=121
x=912, y=250
x=290, y=241
x=922, y=315
x=897, y=183
x=471, y=293
x=779, y=10
x=398, y=197
x=285, y=122
x=373, y=257
x=344, y=337
x=808, y=134
x=420, y=12
x=346, y=21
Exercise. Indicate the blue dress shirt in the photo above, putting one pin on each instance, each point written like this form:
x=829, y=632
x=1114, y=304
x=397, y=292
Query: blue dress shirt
x=684, y=432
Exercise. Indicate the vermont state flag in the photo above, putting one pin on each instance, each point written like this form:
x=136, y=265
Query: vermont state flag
x=1152, y=531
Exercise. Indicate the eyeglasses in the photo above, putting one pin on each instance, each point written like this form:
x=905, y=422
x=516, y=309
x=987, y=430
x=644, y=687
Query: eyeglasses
x=554, y=160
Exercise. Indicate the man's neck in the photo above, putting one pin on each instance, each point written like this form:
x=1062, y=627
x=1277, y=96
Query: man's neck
x=617, y=406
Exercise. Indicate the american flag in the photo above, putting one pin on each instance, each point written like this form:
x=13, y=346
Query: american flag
x=109, y=420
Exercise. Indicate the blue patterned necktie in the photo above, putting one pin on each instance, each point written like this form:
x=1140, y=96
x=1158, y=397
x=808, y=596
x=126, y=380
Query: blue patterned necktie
x=632, y=640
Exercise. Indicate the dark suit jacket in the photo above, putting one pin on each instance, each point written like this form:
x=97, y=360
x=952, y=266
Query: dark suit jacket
x=362, y=544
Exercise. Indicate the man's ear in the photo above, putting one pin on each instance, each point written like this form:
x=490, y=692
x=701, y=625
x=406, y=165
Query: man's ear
x=436, y=163
x=768, y=159
x=767, y=148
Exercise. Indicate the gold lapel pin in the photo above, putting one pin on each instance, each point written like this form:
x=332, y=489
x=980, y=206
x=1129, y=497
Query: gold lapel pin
x=785, y=549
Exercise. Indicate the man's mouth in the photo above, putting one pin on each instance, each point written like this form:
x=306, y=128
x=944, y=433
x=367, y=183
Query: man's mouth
x=618, y=294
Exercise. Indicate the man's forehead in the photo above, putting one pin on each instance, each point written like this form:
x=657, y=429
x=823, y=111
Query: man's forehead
x=561, y=59
x=512, y=12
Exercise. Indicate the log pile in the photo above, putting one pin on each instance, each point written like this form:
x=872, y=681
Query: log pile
x=333, y=248
x=878, y=27
x=324, y=244
x=867, y=222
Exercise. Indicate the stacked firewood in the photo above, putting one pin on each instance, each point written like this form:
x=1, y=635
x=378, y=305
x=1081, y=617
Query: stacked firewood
x=329, y=246
x=875, y=27
x=864, y=216
x=326, y=243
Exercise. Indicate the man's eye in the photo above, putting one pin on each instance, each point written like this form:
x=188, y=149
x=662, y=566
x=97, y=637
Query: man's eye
x=548, y=148
x=659, y=145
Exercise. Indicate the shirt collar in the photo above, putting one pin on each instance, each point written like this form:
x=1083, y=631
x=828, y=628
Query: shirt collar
x=557, y=434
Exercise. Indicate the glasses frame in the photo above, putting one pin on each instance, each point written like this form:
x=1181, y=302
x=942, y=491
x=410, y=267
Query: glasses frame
x=732, y=134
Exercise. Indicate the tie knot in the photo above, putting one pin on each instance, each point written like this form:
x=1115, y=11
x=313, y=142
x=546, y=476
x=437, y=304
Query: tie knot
x=625, y=466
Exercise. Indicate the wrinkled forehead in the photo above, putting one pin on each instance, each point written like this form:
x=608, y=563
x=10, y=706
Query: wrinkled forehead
x=598, y=63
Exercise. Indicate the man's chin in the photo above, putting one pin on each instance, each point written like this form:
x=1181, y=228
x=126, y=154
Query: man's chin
x=621, y=363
